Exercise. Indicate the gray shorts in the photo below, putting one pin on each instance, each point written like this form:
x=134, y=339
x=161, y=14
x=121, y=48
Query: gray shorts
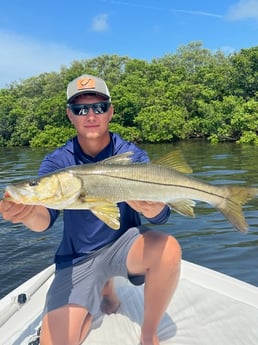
x=83, y=282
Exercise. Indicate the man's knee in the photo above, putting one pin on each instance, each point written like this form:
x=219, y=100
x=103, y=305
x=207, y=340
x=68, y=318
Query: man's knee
x=163, y=245
x=173, y=250
x=65, y=325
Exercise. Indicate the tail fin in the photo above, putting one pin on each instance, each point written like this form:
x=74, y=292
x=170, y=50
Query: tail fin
x=238, y=196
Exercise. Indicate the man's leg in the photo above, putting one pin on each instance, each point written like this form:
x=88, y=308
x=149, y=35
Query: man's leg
x=158, y=256
x=110, y=302
x=67, y=325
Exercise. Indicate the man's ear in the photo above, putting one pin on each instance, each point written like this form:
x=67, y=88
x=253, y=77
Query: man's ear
x=111, y=112
x=69, y=115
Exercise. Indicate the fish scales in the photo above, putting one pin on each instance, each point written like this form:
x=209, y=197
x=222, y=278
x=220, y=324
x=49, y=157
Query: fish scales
x=147, y=182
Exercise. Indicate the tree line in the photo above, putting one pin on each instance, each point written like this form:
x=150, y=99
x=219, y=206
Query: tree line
x=193, y=93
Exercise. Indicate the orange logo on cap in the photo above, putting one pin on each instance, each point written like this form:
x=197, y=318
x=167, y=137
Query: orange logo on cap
x=86, y=83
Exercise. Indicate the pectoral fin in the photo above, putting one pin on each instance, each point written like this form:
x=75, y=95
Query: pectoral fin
x=183, y=207
x=109, y=214
x=104, y=209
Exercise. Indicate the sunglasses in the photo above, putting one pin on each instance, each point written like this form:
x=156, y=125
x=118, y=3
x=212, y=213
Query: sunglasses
x=83, y=109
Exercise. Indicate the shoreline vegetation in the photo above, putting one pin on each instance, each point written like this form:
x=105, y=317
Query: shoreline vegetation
x=193, y=93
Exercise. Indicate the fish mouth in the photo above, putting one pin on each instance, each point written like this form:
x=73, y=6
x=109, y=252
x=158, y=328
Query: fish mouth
x=13, y=194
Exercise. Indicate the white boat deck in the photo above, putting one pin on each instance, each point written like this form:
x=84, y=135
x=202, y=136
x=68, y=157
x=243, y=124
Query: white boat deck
x=208, y=309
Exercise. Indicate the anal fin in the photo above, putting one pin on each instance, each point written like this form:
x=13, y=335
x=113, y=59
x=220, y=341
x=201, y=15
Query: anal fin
x=183, y=207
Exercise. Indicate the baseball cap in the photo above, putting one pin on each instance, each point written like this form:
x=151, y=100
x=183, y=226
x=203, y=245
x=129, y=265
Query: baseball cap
x=87, y=83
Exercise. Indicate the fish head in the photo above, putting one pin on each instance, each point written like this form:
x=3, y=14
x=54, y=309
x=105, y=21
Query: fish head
x=56, y=190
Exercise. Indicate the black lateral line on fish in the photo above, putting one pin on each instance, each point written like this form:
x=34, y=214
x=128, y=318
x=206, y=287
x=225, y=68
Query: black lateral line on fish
x=169, y=185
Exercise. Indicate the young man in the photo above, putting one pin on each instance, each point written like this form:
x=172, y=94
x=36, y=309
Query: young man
x=90, y=252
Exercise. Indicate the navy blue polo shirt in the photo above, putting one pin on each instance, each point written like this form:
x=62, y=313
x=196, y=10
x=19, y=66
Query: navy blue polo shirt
x=83, y=232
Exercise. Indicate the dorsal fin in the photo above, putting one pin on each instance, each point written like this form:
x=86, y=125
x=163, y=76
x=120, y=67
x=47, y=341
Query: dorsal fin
x=122, y=159
x=175, y=160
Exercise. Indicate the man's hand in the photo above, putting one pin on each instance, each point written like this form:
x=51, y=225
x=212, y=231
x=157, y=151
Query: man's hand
x=13, y=212
x=35, y=217
x=148, y=208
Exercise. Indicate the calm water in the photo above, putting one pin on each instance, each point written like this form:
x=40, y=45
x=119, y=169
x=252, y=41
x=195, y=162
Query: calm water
x=208, y=239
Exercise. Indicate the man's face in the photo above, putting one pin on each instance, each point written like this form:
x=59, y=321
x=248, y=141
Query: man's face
x=95, y=124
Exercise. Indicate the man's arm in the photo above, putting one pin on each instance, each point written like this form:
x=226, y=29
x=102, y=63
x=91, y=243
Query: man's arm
x=36, y=218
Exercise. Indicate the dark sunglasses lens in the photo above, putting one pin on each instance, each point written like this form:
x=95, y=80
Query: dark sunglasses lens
x=83, y=109
x=100, y=108
x=79, y=109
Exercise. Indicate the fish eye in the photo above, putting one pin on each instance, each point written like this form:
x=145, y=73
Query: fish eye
x=33, y=183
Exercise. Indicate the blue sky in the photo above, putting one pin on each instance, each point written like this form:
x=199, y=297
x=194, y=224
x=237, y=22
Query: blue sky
x=40, y=36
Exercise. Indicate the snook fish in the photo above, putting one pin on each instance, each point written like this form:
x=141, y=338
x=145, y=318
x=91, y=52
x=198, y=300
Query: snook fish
x=100, y=186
